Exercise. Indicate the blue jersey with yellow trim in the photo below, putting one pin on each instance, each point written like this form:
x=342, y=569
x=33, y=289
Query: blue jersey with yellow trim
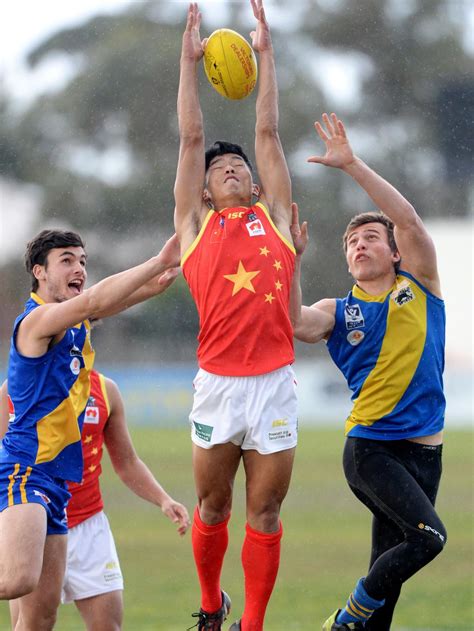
x=390, y=349
x=48, y=396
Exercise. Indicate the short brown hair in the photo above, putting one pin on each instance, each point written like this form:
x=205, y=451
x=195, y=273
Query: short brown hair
x=38, y=248
x=372, y=217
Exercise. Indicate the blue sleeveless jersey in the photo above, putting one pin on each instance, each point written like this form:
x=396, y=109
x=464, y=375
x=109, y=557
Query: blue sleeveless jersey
x=48, y=397
x=390, y=349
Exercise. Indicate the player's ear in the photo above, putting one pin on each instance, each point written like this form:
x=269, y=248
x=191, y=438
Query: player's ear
x=206, y=198
x=39, y=272
x=256, y=191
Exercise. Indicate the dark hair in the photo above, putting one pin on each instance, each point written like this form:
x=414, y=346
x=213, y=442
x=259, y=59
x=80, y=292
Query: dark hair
x=220, y=147
x=373, y=217
x=38, y=248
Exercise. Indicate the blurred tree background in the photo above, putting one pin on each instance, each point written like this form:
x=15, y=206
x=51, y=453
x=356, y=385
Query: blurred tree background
x=99, y=153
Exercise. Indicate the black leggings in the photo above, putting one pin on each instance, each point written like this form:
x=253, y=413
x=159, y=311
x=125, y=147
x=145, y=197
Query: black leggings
x=398, y=482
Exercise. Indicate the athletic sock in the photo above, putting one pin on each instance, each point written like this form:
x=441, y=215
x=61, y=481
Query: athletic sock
x=359, y=607
x=209, y=548
x=260, y=560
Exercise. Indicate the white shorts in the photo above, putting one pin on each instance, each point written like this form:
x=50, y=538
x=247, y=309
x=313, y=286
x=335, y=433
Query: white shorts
x=253, y=412
x=92, y=566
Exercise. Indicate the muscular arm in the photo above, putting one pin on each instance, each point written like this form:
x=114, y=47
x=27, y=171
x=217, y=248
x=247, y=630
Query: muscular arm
x=415, y=245
x=50, y=321
x=131, y=469
x=271, y=163
x=189, y=181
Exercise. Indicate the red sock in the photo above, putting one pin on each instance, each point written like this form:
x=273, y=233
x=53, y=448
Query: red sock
x=260, y=560
x=209, y=547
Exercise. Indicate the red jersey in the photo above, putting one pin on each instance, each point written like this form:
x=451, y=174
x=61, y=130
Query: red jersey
x=239, y=270
x=86, y=497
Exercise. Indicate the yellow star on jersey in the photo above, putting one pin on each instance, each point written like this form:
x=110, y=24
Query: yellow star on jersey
x=92, y=468
x=269, y=297
x=95, y=451
x=88, y=439
x=264, y=251
x=278, y=285
x=242, y=279
x=277, y=265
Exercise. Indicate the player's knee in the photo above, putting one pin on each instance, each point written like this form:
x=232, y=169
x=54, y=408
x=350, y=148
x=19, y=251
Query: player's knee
x=265, y=518
x=16, y=585
x=431, y=540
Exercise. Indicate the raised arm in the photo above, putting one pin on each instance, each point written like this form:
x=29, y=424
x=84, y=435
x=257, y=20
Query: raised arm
x=271, y=163
x=415, y=245
x=50, y=321
x=310, y=324
x=189, y=182
x=130, y=468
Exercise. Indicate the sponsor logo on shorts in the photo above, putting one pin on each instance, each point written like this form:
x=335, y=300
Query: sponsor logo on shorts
x=255, y=228
x=204, y=432
x=109, y=577
x=355, y=337
x=280, y=422
x=281, y=434
x=353, y=317
x=44, y=497
x=111, y=565
x=423, y=526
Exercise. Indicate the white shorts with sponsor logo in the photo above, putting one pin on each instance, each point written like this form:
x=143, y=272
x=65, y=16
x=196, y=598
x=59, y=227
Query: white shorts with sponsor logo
x=253, y=412
x=92, y=566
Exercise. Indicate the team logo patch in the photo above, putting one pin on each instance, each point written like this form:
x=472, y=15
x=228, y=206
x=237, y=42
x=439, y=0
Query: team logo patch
x=204, y=432
x=355, y=337
x=402, y=294
x=75, y=366
x=92, y=414
x=353, y=317
x=255, y=228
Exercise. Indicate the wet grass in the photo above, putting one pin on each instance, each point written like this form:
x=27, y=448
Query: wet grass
x=325, y=546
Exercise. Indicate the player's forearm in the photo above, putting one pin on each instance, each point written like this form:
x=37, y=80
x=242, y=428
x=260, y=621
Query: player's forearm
x=296, y=295
x=113, y=292
x=267, y=97
x=190, y=119
x=140, y=480
x=383, y=194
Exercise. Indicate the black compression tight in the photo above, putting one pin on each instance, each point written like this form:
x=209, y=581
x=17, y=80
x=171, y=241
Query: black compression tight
x=398, y=482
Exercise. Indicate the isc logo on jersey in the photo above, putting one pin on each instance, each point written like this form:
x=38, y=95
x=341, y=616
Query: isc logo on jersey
x=255, y=228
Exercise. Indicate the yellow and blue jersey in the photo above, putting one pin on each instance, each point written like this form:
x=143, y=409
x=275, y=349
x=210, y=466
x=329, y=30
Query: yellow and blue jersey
x=48, y=396
x=390, y=349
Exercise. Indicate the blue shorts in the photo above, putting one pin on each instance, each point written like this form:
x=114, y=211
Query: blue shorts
x=22, y=484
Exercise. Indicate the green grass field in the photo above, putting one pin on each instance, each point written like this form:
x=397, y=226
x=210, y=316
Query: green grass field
x=325, y=545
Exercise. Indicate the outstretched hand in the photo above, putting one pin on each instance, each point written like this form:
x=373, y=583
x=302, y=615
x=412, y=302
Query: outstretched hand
x=299, y=233
x=192, y=47
x=177, y=513
x=170, y=253
x=261, y=38
x=339, y=153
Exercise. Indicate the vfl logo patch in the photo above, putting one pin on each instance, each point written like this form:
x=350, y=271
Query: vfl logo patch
x=204, y=432
x=353, y=317
x=402, y=294
x=255, y=228
x=355, y=337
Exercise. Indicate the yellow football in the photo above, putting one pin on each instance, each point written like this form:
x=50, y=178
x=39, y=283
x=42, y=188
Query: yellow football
x=230, y=64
